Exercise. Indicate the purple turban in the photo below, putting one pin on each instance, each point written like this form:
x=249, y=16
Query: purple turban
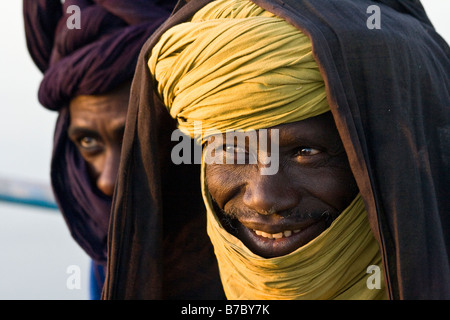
x=92, y=59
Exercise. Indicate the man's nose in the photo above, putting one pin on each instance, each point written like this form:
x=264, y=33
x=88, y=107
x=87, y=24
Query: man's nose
x=269, y=194
x=107, y=178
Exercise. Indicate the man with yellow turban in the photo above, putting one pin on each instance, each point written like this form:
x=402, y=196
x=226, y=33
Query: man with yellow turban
x=353, y=121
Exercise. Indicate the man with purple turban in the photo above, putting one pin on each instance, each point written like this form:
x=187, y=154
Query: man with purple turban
x=87, y=51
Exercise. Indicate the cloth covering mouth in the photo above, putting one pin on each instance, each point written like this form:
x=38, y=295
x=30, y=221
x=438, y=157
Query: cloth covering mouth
x=332, y=266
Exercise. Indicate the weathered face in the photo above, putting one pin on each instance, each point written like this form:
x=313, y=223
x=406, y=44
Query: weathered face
x=274, y=215
x=97, y=124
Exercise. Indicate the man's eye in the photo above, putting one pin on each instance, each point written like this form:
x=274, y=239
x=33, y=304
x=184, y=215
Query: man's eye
x=235, y=154
x=306, y=152
x=233, y=149
x=88, y=142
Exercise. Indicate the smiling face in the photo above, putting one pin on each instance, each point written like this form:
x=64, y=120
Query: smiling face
x=97, y=124
x=274, y=215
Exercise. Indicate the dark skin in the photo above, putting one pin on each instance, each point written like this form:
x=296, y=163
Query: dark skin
x=97, y=124
x=274, y=215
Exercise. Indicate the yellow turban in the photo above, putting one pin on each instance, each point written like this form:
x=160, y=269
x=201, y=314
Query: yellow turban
x=235, y=66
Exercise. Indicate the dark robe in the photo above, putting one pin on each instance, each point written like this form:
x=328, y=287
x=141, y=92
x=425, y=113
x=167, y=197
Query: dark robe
x=95, y=59
x=388, y=91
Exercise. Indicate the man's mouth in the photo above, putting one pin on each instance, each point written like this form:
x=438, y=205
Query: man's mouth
x=272, y=242
x=279, y=235
x=274, y=235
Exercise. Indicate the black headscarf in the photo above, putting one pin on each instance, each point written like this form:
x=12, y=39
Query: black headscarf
x=388, y=91
x=94, y=59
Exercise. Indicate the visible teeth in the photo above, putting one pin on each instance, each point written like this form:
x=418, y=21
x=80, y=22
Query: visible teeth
x=267, y=235
x=279, y=235
x=287, y=233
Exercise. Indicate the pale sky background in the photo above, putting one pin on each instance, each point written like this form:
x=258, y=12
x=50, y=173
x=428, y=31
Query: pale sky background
x=35, y=246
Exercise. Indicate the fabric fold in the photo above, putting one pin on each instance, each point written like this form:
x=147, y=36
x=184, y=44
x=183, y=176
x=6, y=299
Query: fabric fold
x=207, y=70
